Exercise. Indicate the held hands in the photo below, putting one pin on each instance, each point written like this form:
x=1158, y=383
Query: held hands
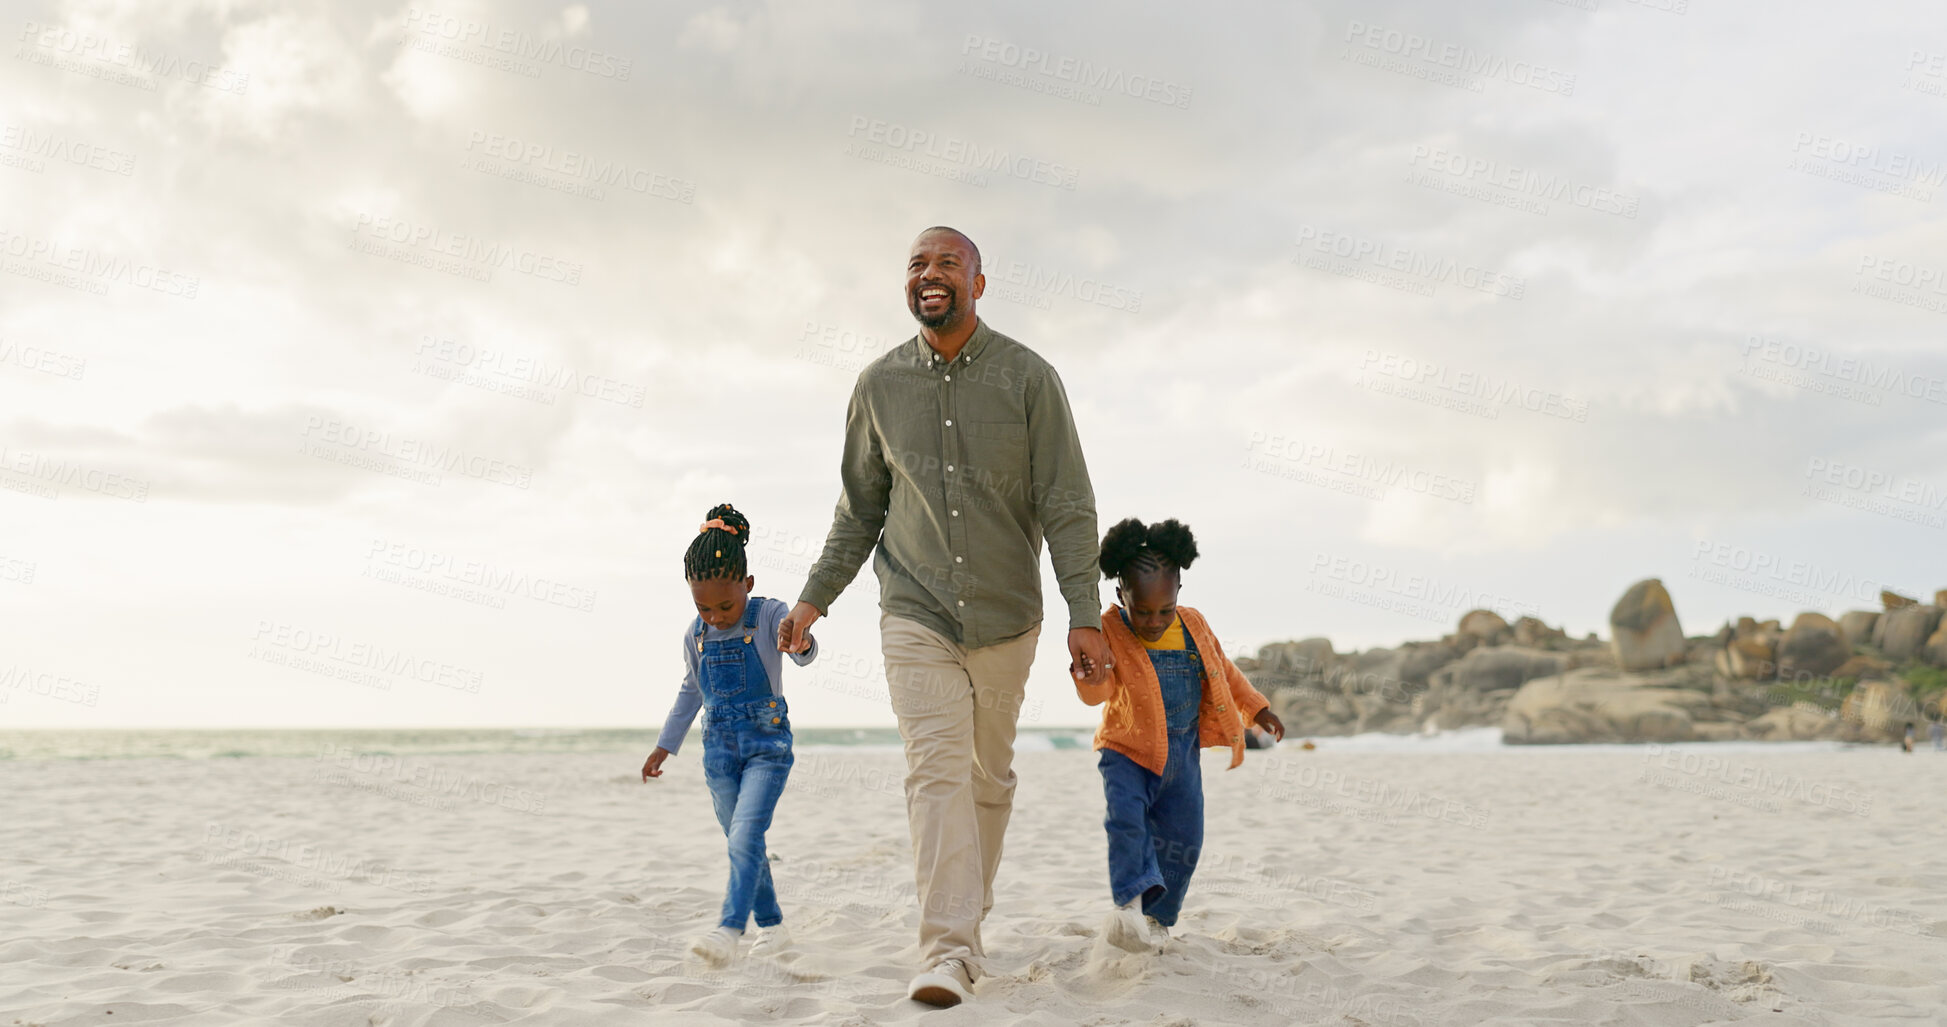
x=1269, y=721
x=653, y=766
x=794, y=631
x=1088, y=656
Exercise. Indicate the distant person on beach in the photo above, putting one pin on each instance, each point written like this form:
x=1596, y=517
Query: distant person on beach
x=960, y=457
x=1173, y=692
x=734, y=673
x=1938, y=732
x=1906, y=741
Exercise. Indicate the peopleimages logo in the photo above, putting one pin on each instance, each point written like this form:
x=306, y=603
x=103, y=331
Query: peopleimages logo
x=1109, y=79
x=1463, y=59
x=953, y=150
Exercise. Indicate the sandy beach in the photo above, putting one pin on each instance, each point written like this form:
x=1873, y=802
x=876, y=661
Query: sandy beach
x=1648, y=885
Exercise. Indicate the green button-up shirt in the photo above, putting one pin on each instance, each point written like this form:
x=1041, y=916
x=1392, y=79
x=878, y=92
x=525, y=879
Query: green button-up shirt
x=953, y=473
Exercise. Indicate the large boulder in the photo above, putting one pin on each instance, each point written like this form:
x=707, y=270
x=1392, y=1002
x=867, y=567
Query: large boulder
x=1895, y=601
x=1799, y=722
x=1533, y=633
x=1813, y=648
x=1643, y=627
x=1935, y=651
x=1474, y=690
x=1377, y=685
x=1940, y=598
x=1310, y=656
x=1482, y=627
x=1748, y=659
x=1903, y=632
x=1879, y=709
x=1862, y=667
x=1858, y=625
x=1601, y=705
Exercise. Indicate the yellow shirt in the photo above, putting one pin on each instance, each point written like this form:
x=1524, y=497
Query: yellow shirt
x=1172, y=637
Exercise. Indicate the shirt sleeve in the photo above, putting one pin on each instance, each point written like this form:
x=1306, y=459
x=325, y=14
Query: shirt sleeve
x=689, y=699
x=1064, y=498
x=865, y=492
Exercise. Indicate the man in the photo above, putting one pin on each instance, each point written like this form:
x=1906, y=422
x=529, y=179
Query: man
x=960, y=457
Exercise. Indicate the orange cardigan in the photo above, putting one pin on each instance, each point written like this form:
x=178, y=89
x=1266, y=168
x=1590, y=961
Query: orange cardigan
x=1132, y=723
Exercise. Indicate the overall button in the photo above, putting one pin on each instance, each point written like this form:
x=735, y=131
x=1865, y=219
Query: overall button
x=774, y=720
x=773, y=704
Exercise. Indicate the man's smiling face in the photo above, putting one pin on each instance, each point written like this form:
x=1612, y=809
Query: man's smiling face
x=943, y=279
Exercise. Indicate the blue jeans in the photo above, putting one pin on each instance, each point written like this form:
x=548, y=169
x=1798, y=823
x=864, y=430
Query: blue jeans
x=1155, y=825
x=746, y=760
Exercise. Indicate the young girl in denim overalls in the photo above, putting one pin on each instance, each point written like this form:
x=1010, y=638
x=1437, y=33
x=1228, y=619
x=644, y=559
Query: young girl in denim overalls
x=1172, y=692
x=734, y=664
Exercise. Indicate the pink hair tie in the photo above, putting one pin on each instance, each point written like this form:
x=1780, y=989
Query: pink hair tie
x=717, y=523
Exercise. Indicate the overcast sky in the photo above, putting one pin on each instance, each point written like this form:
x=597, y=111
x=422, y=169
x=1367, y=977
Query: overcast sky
x=368, y=364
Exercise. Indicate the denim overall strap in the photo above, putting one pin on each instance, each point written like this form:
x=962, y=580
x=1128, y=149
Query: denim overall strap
x=1179, y=672
x=730, y=674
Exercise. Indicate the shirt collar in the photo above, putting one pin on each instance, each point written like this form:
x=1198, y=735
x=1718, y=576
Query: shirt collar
x=977, y=342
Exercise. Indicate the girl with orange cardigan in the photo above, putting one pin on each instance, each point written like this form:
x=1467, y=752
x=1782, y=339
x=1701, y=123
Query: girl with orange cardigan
x=1172, y=692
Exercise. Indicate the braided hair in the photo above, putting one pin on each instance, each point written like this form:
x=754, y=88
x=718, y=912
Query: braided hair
x=718, y=552
x=1133, y=548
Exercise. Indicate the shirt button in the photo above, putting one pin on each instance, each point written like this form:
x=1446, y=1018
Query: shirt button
x=949, y=377
x=956, y=513
x=949, y=467
x=959, y=559
x=960, y=602
x=949, y=422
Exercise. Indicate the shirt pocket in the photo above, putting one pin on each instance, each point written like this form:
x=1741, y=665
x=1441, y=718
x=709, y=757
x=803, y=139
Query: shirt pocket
x=997, y=456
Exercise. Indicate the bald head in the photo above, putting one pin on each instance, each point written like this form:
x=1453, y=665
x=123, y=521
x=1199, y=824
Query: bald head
x=972, y=251
x=943, y=279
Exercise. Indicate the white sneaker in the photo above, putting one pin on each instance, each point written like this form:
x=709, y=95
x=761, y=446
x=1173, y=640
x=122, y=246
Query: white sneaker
x=1125, y=929
x=949, y=983
x=771, y=941
x=715, y=946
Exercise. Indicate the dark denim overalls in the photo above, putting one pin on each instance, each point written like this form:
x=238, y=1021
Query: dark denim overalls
x=1155, y=822
x=746, y=758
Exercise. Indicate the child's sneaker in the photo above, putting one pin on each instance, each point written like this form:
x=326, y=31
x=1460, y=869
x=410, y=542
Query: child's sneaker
x=715, y=946
x=1159, y=935
x=771, y=942
x=1126, y=929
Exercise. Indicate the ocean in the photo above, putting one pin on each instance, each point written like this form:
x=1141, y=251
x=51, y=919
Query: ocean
x=230, y=743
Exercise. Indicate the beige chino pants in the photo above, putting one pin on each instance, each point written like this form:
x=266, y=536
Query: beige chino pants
x=957, y=709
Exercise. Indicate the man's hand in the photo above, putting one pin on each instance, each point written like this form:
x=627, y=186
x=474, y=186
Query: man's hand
x=1269, y=721
x=794, y=631
x=653, y=766
x=1088, y=656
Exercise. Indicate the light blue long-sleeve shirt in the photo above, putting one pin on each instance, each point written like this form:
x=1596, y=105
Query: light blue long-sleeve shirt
x=689, y=698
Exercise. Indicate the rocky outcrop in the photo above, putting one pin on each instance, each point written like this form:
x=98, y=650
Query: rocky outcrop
x=1751, y=679
x=1474, y=690
x=1813, y=648
x=1862, y=667
x=1895, y=601
x=1799, y=722
x=1935, y=651
x=1880, y=710
x=1531, y=632
x=1858, y=625
x=1902, y=633
x=1644, y=628
x=1482, y=627
x=1596, y=704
